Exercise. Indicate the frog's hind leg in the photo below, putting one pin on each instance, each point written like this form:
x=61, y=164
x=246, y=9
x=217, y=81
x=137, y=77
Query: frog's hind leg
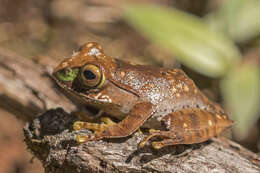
x=171, y=139
x=189, y=126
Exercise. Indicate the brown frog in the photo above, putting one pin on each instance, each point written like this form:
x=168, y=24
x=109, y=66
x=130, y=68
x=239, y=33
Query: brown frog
x=163, y=100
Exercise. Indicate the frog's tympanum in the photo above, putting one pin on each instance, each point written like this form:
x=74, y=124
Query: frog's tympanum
x=163, y=100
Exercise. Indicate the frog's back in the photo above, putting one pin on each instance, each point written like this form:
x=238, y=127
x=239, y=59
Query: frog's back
x=185, y=94
x=170, y=89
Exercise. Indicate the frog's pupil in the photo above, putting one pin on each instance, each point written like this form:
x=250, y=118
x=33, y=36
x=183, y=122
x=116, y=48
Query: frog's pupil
x=89, y=75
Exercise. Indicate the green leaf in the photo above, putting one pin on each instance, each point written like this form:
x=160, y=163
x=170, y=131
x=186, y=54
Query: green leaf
x=238, y=18
x=186, y=36
x=241, y=91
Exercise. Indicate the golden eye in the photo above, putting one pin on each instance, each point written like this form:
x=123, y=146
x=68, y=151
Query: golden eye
x=92, y=76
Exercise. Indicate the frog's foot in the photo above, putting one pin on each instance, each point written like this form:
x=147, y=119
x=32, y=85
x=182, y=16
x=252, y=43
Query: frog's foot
x=108, y=121
x=140, y=131
x=97, y=128
x=147, y=138
x=169, y=138
x=82, y=138
x=79, y=125
x=160, y=144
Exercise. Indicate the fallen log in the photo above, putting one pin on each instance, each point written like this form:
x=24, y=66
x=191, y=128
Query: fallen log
x=26, y=89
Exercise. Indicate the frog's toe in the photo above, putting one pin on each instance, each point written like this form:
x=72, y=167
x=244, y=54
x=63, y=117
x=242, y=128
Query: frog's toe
x=78, y=125
x=157, y=145
x=153, y=131
x=108, y=121
x=142, y=144
x=140, y=131
x=147, y=138
x=82, y=138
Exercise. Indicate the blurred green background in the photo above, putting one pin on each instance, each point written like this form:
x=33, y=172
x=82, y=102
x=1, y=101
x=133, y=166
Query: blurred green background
x=216, y=42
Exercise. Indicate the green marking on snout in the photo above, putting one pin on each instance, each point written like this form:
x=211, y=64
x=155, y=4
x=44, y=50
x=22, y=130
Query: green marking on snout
x=67, y=75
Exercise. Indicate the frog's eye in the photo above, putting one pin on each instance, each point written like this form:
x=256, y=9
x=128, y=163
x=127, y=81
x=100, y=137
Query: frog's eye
x=92, y=76
x=67, y=74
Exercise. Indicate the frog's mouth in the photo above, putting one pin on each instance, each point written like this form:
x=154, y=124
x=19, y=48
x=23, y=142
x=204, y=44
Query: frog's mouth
x=69, y=91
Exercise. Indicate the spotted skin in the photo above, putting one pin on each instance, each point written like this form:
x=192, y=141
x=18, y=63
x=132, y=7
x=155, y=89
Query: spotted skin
x=141, y=96
x=189, y=126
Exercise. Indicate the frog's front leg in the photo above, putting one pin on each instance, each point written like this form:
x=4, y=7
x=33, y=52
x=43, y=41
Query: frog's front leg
x=97, y=128
x=78, y=125
x=136, y=117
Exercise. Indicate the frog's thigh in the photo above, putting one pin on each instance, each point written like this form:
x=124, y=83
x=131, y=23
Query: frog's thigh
x=196, y=125
x=189, y=126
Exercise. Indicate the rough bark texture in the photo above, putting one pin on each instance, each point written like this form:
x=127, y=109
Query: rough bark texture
x=51, y=139
x=26, y=90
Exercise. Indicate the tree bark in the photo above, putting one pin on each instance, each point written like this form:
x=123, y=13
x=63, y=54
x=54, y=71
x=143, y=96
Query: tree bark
x=26, y=89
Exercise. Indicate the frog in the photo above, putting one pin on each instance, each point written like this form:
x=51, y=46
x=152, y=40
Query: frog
x=164, y=100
